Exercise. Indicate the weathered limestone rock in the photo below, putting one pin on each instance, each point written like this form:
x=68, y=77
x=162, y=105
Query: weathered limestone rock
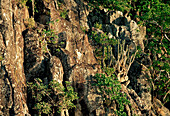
x=13, y=81
x=34, y=59
x=160, y=109
x=56, y=69
x=6, y=101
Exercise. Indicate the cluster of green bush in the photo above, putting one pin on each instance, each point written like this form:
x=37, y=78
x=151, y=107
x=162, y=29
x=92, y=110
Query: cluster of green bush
x=51, y=98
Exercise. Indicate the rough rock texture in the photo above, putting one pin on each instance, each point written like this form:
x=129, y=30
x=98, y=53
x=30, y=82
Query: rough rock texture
x=13, y=82
x=24, y=58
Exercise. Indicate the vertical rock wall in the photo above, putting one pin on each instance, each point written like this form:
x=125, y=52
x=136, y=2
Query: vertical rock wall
x=72, y=58
x=12, y=79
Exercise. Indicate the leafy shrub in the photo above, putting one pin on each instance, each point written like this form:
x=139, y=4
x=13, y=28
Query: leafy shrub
x=98, y=26
x=104, y=50
x=66, y=95
x=51, y=97
x=48, y=37
x=110, y=89
x=64, y=14
x=30, y=22
x=1, y=58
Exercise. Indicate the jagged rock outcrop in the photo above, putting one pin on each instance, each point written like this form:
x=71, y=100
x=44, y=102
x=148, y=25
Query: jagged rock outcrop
x=13, y=86
x=70, y=59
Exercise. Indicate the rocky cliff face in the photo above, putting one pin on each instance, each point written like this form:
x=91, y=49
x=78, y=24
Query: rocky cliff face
x=71, y=58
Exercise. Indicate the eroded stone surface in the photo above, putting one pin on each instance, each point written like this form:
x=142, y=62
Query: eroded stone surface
x=70, y=59
x=13, y=81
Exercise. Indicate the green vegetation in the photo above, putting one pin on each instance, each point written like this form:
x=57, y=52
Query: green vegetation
x=30, y=23
x=104, y=50
x=110, y=90
x=64, y=14
x=51, y=97
x=108, y=84
x=98, y=26
x=49, y=37
x=1, y=58
x=154, y=14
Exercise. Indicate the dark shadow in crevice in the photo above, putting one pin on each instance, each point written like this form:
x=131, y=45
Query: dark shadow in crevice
x=121, y=21
x=84, y=108
x=30, y=9
x=167, y=105
x=9, y=92
x=133, y=74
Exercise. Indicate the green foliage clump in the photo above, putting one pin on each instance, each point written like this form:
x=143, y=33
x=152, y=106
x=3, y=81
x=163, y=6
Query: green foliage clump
x=30, y=23
x=98, y=26
x=66, y=95
x=1, y=58
x=110, y=89
x=51, y=97
x=64, y=14
x=104, y=51
x=84, y=29
x=100, y=38
x=48, y=37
